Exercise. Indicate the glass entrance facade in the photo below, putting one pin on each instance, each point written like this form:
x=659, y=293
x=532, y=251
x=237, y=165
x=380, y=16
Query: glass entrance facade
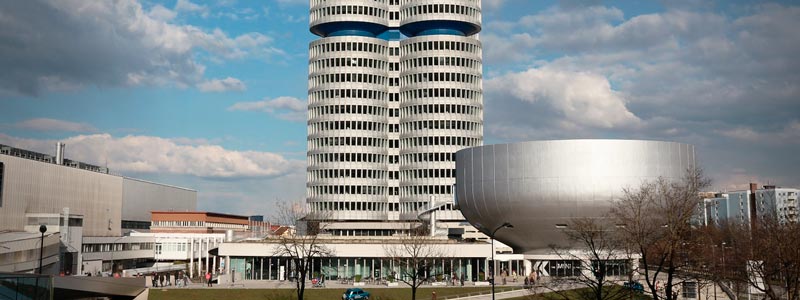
x=351, y=269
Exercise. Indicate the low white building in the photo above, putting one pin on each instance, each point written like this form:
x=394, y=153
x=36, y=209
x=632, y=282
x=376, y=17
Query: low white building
x=352, y=257
x=191, y=248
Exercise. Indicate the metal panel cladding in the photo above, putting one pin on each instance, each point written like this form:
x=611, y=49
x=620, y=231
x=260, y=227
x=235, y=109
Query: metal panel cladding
x=538, y=186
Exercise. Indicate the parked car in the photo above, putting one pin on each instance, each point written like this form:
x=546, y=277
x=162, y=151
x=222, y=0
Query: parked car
x=633, y=285
x=355, y=294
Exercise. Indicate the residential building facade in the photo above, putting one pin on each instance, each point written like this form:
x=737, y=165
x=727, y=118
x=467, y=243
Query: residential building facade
x=743, y=205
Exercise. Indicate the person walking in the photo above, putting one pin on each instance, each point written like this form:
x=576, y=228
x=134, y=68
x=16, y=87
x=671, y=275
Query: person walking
x=161, y=280
x=208, y=278
x=154, y=279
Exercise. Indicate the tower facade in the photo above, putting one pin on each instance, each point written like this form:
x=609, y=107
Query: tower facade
x=395, y=89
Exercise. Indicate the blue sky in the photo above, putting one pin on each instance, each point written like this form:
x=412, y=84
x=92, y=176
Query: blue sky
x=211, y=95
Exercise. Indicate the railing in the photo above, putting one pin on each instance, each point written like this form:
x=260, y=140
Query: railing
x=26, y=286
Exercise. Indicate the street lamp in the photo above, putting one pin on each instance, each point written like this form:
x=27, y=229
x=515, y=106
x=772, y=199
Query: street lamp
x=113, y=244
x=42, y=229
x=494, y=264
x=723, y=257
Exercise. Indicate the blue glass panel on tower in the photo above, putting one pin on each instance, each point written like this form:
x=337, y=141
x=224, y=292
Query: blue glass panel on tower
x=358, y=17
x=447, y=17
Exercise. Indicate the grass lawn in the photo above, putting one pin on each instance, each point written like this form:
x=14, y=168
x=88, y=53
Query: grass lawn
x=574, y=294
x=310, y=294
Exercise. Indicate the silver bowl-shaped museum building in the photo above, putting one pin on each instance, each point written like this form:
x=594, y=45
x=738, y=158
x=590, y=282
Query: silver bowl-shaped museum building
x=539, y=186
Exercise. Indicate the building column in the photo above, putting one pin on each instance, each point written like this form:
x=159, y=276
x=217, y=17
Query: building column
x=528, y=266
x=469, y=269
x=191, y=257
x=208, y=243
x=200, y=258
x=227, y=264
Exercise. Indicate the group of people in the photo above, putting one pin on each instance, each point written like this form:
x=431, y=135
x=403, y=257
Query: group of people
x=164, y=279
x=531, y=279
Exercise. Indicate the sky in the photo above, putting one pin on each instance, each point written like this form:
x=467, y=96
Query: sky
x=212, y=95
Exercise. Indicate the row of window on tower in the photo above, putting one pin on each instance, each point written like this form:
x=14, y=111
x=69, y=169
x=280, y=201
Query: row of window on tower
x=413, y=110
x=317, y=80
x=347, y=173
x=427, y=173
x=426, y=141
x=338, y=62
x=381, y=174
x=436, y=61
x=440, y=124
x=339, y=94
x=360, y=206
x=421, y=44
x=441, y=9
x=347, y=190
x=417, y=190
x=349, y=125
x=350, y=157
x=376, y=47
x=325, y=11
x=441, y=77
x=441, y=93
x=428, y=157
x=318, y=2
x=347, y=109
x=417, y=62
x=406, y=207
x=411, y=47
x=346, y=141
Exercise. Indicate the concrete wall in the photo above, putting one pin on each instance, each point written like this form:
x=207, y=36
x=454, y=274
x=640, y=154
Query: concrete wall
x=36, y=187
x=141, y=197
x=104, y=200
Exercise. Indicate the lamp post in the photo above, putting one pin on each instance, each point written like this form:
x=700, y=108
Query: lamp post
x=723, y=257
x=42, y=229
x=113, y=244
x=505, y=225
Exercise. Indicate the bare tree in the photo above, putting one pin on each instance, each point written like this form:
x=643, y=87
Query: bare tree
x=414, y=255
x=711, y=243
x=764, y=255
x=598, y=247
x=657, y=223
x=302, y=245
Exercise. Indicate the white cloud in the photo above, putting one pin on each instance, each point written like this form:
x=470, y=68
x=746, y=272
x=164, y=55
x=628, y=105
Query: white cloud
x=149, y=154
x=188, y=6
x=287, y=108
x=161, y=13
x=46, y=124
x=789, y=134
x=293, y=2
x=492, y=4
x=222, y=85
x=582, y=99
x=71, y=44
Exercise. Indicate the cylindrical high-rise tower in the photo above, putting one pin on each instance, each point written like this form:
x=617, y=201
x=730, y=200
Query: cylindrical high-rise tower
x=394, y=92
